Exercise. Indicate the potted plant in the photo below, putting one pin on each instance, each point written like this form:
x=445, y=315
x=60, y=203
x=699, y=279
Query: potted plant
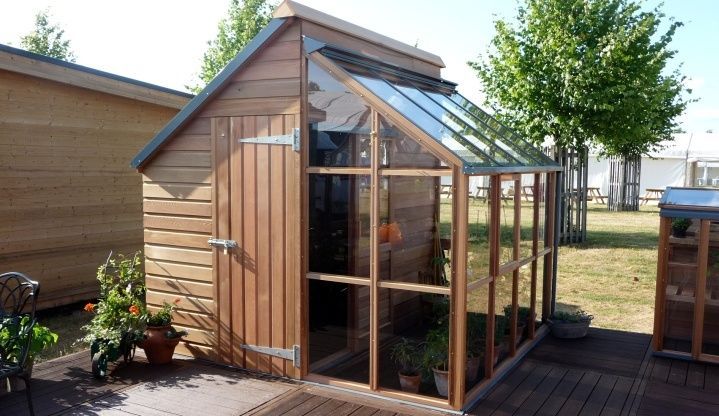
x=161, y=338
x=14, y=336
x=523, y=320
x=680, y=226
x=119, y=313
x=407, y=354
x=476, y=342
x=500, y=332
x=436, y=357
x=569, y=325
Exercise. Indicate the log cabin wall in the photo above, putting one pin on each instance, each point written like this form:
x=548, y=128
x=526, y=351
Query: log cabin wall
x=68, y=194
x=205, y=183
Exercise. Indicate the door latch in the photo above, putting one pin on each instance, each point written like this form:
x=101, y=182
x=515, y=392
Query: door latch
x=224, y=244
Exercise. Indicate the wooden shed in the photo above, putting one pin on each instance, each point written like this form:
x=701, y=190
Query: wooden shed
x=68, y=194
x=312, y=208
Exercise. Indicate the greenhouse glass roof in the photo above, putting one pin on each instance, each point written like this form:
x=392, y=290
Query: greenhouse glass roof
x=482, y=143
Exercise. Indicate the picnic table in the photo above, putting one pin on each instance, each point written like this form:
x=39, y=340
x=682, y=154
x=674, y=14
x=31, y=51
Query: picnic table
x=596, y=194
x=652, y=194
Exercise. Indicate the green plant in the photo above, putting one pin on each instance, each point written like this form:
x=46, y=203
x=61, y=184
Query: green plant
x=163, y=317
x=572, y=317
x=407, y=354
x=523, y=313
x=436, y=351
x=14, y=334
x=121, y=307
x=476, y=334
x=681, y=224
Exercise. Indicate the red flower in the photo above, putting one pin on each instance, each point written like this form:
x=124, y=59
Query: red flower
x=134, y=310
x=89, y=307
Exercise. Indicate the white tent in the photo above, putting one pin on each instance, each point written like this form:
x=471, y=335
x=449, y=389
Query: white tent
x=691, y=159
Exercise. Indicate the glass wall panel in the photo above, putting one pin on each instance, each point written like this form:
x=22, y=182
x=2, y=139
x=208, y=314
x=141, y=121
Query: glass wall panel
x=415, y=234
x=339, y=123
x=478, y=224
x=502, y=300
x=524, y=297
x=526, y=237
x=339, y=321
x=680, y=291
x=542, y=196
x=339, y=224
x=506, y=225
x=476, y=338
x=711, y=305
x=414, y=338
x=539, y=303
x=398, y=150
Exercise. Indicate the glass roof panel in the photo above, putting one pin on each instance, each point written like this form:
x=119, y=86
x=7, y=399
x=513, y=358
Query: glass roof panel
x=422, y=119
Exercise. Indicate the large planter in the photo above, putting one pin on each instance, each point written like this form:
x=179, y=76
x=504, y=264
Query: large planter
x=158, y=347
x=472, y=368
x=679, y=232
x=569, y=330
x=410, y=384
x=441, y=380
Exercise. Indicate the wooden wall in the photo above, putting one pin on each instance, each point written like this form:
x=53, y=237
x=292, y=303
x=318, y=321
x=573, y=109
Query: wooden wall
x=205, y=184
x=68, y=193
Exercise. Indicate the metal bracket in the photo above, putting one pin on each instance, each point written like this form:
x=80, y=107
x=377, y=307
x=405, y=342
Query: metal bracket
x=292, y=354
x=292, y=139
x=224, y=244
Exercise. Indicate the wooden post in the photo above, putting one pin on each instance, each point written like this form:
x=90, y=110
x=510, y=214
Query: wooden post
x=665, y=226
x=700, y=291
x=495, y=198
x=535, y=250
x=549, y=259
x=374, y=256
x=515, y=274
x=458, y=303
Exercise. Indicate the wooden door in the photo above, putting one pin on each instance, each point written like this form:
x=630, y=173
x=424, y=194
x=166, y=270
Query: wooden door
x=257, y=205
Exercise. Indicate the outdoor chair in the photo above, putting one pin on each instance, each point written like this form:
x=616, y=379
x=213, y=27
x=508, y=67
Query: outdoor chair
x=18, y=299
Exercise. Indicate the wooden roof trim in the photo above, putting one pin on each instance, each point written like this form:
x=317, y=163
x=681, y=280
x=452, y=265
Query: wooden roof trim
x=291, y=8
x=386, y=110
x=40, y=66
x=273, y=28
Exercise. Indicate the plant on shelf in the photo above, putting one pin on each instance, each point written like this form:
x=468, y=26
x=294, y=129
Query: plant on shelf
x=14, y=333
x=569, y=325
x=407, y=354
x=680, y=226
x=523, y=320
x=119, y=315
x=436, y=357
x=161, y=338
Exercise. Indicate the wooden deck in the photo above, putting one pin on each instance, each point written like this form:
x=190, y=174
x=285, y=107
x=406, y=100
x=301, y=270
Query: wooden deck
x=606, y=373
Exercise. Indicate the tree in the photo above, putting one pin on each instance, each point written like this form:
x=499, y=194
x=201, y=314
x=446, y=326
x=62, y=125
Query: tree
x=47, y=39
x=244, y=21
x=585, y=72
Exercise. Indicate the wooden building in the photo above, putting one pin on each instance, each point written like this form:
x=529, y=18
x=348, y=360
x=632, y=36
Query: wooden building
x=328, y=169
x=68, y=195
x=686, y=322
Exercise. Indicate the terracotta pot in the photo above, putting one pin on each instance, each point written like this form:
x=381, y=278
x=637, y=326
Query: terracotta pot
x=15, y=383
x=472, y=368
x=158, y=348
x=383, y=233
x=441, y=380
x=410, y=384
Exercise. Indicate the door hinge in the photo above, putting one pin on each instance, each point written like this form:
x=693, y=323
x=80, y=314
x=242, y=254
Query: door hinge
x=292, y=139
x=291, y=354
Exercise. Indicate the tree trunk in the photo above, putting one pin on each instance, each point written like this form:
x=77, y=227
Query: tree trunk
x=624, y=175
x=573, y=196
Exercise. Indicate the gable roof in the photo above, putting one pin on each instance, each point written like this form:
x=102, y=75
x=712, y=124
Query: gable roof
x=45, y=67
x=291, y=8
x=209, y=92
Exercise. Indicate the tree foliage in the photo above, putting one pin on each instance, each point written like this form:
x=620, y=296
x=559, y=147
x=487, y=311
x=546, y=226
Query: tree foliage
x=586, y=72
x=244, y=20
x=47, y=39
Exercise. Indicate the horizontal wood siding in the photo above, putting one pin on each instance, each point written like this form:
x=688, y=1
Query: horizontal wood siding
x=177, y=190
x=68, y=193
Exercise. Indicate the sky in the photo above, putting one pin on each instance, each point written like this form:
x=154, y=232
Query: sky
x=162, y=41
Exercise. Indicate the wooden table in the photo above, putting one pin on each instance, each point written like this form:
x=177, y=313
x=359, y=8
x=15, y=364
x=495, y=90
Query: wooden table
x=652, y=194
x=446, y=190
x=528, y=191
x=595, y=193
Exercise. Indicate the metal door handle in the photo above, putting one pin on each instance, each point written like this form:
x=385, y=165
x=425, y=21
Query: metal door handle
x=224, y=244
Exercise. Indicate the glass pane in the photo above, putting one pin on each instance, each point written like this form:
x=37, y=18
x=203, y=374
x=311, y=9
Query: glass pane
x=506, y=218
x=414, y=338
x=680, y=295
x=415, y=234
x=526, y=231
x=524, y=299
x=539, y=306
x=440, y=132
x=711, y=309
x=478, y=222
x=503, y=300
x=339, y=330
x=339, y=122
x=398, y=150
x=542, y=196
x=339, y=224
x=477, y=303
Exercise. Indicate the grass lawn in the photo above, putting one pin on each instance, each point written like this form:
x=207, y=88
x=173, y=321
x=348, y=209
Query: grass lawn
x=67, y=322
x=612, y=275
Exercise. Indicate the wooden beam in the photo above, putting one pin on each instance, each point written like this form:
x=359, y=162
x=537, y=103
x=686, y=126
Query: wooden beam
x=535, y=248
x=665, y=225
x=700, y=290
x=415, y=172
x=338, y=170
x=460, y=233
x=548, y=294
x=495, y=191
x=374, y=255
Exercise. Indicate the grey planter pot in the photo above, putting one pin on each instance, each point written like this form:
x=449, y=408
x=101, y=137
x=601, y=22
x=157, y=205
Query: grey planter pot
x=569, y=330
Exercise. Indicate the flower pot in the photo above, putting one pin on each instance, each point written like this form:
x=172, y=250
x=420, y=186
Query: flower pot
x=410, y=384
x=499, y=350
x=441, y=380
x=679, y=232
x=521, y=327
x=158, y=348
x=472, y=368
x=569, y=330
x=15, y=383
